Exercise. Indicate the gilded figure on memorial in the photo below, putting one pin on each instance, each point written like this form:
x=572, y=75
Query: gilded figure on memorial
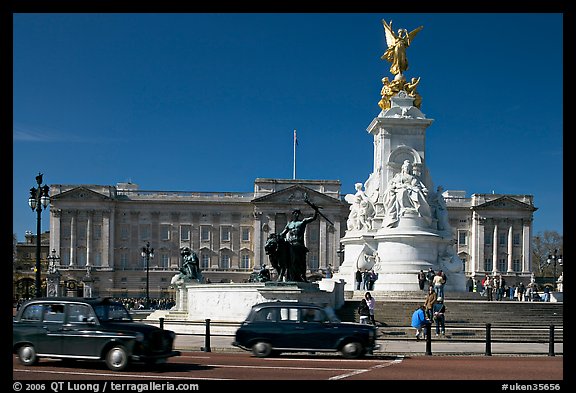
x=397, y=45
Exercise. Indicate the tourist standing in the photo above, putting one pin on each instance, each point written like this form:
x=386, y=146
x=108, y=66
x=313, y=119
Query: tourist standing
x=358, y=279
x=364, y=311
x=439, y=312
x=371, y=306
x=421, y=279
x=429, y=302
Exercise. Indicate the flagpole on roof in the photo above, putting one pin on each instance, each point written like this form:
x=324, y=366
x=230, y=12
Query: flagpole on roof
x=295, y=144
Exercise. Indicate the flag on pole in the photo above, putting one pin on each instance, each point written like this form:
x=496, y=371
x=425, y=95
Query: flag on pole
x=295, y=144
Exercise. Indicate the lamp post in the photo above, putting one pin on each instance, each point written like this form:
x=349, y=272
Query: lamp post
x=147, y=253
x=39, y=198
x=555, y=259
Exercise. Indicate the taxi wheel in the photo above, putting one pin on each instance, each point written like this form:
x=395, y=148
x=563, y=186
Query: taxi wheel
x=117, y=358
x=352, y=350
x=27, y=355
x=262, y=349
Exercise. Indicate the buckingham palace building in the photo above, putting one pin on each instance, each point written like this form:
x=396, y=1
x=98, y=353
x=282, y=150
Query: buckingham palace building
x=101, y=229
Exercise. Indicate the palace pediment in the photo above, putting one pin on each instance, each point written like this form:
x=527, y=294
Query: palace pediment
x=295, y=195
x=504, y=203
x=81, y=193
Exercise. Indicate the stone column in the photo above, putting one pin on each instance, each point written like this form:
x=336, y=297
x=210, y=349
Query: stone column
x=257, y=243
x=495, y=248
x=89, y=214
x=55, y=228
x=322, y=245
x=73, y=237
x=510, y=249
x=526, y=254
x=107, y=239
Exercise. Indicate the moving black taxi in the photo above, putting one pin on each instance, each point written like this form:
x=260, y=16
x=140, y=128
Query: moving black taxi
x=87, y=329
x=283, y=326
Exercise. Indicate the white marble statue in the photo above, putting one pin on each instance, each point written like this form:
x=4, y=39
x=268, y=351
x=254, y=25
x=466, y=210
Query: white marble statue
x=361, y=210
x=560, y=283
x=405, y=193
x=439, y=209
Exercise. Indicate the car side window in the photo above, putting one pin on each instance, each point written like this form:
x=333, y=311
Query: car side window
x=312, y=315
x=289, y=315
x=266, y=315
x=53, y=313
x=32, y=313
x=79, y=313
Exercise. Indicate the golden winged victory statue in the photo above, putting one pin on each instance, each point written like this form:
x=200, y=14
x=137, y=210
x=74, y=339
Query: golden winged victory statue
x=397, y=44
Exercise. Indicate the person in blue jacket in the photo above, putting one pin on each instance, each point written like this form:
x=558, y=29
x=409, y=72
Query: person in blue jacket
x=419, y=322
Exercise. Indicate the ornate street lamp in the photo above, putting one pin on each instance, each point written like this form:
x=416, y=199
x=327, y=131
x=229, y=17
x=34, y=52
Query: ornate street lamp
x=39, y=198
x=147, y=253
x=555, y=259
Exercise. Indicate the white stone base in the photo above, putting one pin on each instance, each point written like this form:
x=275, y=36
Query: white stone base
x=232, y=302
x=402, y=253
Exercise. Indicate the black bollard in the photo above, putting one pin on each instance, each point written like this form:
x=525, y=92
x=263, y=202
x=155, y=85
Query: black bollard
x=161, y=323
x=429, y=339
x=551, y=342
x=207, y=337
x=488, y=340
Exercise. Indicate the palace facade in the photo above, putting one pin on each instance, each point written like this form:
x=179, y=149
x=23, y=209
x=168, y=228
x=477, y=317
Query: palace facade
x=102, y=229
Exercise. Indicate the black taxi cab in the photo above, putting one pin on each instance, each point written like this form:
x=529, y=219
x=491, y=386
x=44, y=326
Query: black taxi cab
x=87, y=329
x=285, y=326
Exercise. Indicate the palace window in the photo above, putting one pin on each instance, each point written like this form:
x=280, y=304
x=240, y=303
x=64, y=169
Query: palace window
x=185, y=232
x=124, y=232
x=225, y=234
x=165, y=232
x=245, y=261
x=245, y=234
x=205, y=261
x=164, y=260
x=224, y=261
x=462, y=238
x=204, y=233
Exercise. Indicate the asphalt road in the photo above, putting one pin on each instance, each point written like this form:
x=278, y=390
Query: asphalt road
x=242, y=366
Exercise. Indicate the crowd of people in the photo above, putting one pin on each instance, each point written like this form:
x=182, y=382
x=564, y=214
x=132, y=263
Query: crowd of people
x=432, y=311
x=139, y=303
x=365, y=279
x=495, y=288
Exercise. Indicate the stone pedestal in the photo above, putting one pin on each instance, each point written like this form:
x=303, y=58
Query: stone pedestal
x=53, y=284
x=88, y=285
x=232, y=302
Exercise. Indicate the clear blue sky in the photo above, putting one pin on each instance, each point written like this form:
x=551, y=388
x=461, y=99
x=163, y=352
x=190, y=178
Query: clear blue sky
x=209, y=102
